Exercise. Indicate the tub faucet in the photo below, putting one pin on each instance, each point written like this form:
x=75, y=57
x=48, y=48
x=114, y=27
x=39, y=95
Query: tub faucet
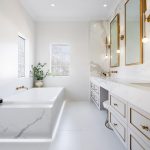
x=21, y=87
x=1, y=100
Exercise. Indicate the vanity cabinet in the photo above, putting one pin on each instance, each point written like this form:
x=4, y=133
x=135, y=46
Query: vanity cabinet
x=119, y=127
x=118, y=117
x=129, y=111
x=118, y=106
x=139, y=123
x=95, y=94
x=135, y=142
x=130, y=124
x=98, y=95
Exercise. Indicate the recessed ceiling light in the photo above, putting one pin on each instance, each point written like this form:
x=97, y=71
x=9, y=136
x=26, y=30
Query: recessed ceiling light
x=53, y=5
x=105, y=5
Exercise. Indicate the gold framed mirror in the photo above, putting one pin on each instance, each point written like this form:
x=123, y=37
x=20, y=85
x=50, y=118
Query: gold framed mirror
x=115, y=41
x=134, y=32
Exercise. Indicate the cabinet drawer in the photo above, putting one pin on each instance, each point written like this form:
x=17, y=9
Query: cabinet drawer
x=95, y=98
x=95, y=88
x=121, y=130
x=135, y=143
x=140, y=122
x=118, y=105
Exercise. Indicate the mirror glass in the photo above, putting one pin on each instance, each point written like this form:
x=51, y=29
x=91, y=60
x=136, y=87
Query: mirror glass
x=114, y=40
x=134, y=33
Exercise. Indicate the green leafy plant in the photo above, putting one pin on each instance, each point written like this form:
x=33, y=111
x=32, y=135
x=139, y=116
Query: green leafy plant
x=38, y=71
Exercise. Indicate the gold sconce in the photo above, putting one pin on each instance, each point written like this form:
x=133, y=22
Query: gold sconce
x=146, y=11
x=121, y=37
x=146, y=18
x=145, y=38
x=107, y=47
x=107, y=44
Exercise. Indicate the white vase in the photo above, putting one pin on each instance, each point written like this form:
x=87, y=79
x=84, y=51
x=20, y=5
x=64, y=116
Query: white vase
x=39, y=83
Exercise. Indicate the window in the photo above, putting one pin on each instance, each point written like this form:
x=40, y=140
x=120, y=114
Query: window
x=21, y=57
x=60, y=59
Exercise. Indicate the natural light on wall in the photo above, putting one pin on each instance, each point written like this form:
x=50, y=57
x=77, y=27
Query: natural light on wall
x=59, y=59
x=23, y=56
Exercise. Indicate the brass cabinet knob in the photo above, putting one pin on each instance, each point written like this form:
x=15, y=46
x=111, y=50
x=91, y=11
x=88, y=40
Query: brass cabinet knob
x=115, y=104
x=115, y=124
x=146, y=128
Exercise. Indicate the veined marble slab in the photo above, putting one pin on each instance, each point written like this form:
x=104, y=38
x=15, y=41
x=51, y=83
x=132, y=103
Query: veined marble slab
x=31, y=114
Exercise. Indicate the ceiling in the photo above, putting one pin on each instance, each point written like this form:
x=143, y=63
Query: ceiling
x=69, y=10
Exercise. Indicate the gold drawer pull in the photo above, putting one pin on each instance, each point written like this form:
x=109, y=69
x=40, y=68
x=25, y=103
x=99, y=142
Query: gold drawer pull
x=115, y=104
x=145, y=128
x=115, y=124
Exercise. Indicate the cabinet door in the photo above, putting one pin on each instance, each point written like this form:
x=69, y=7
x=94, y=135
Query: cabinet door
x=118, y=105
x=135, y=142
x=139, y=122
x=117, y=126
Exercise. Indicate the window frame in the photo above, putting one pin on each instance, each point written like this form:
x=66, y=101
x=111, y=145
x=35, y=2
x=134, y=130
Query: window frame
x=24, y=64
x=50, y=67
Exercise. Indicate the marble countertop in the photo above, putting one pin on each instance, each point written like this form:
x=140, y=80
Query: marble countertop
x=134, y=93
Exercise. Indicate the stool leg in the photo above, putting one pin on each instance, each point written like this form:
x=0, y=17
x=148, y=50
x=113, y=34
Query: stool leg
x=107, y=123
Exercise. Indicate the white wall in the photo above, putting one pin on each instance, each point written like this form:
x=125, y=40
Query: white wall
x=137, y=73
x=77, y=35
x=13, y=20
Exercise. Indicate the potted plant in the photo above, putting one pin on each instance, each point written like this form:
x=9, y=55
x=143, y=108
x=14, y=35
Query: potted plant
x=39, y=74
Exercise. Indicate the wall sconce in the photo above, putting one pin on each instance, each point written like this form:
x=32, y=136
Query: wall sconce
x=121, y=37
x=145, y=39
x=106, y=56
x=107, y=44
x=146, y=11
x=107, y=47
x=118, y=51
x=146, y=18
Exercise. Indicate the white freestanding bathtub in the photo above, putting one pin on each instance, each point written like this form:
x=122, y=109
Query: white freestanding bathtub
x=31, y=115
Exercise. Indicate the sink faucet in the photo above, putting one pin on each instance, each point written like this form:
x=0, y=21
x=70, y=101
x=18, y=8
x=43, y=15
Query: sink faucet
x=21, y=87
x=113, y=71
x=108, y=74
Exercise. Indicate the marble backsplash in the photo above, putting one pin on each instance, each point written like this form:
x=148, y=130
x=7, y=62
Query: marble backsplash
x=98, y=34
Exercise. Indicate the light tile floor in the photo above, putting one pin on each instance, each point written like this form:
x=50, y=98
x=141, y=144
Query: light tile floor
x=81, y=128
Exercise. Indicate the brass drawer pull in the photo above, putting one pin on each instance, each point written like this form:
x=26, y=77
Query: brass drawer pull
x=115, y=104
x=115, y=124
x=145, y=128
